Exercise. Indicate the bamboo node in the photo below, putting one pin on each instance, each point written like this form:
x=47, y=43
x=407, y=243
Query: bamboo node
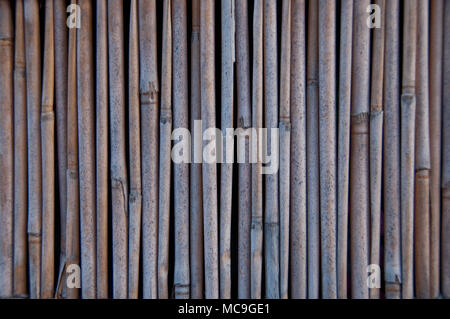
x=47, y=116
x=7, y=41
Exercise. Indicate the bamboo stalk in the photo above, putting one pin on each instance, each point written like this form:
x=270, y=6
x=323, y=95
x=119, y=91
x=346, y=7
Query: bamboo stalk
x=196, y=209
x=149, y=136
x=135, y=199
x=165, y=131
x=391, y=151
x=33, y=69
x=6, y=149
x=327, y=137
x=119, y=187
x=209, y=169
x=408, y=113
x=20, y=163
x=312, y=151
x=345, y=87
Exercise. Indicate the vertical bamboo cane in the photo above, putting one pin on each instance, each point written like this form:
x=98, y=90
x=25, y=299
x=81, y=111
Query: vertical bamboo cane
x=209, y=169
x=33, y=69
x=165, y=128
x=135, y=199
x=312, y=151
x=408, y=115
x=327, y=137
x=119, y=187
x=6, y=149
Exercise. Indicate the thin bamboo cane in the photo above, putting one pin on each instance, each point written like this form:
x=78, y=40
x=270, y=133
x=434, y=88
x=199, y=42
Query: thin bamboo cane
x=327, y=137
x=33, y=69
x=6, y=149
x=376, y=142
x=243, y=94
x=196, y=210
x=408, y=114
x=20, y=163
x=312, y=151
x=271, y=213
x=119, y=187
x=135, y=199
x=149, y=136
x=257, y=122
x=226, y=174
x=102, y=148
x=165, y=131
x=345, y=86
x=391, y=151
x=296, y=74
x=436, y=39
x=209, y=169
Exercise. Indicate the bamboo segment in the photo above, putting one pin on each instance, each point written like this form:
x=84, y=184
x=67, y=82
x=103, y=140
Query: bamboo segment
x=391, y=151
x=327, y=137
x=135, y=199
x=165, y=130
x=33, y=69
x=20, y=155
x=257, y=122
x=345, y=87
x=6, y=149
x=408, y=113
x=149, y=136
x=243, y=92
x=196, y=209
x=312, y=150
x=119, y=187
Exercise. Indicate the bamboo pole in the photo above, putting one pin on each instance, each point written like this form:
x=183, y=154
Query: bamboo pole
x=408, y=115
x=6, y=149
x=20, y=162
x=102, y=163
x=257, y=123
x=209, y=169
x=119, y=187
x=243, y=97
x=327, y=137
x=436, y=39
x=165, y=131
x=33, y=69
x=312, y=150
x=196, y=209
x=391, y=151
x=296, y=74
x=149, y=136
x=135, y=199
x=376, y=142
x=226, y=174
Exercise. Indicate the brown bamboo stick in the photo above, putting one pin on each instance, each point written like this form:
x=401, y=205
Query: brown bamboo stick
x=135, y=199
x=6, y=149
x=33, y=69
x=119, y=187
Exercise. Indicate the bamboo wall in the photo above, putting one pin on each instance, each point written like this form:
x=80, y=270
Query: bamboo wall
x=90, y=94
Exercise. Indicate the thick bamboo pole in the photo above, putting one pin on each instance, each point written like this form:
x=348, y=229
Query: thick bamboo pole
x=243, y=96
x=391, y=151
x=6, y=149
x=135, y=199
x=312, y=150
x=327, y=147
x=165, y=131
x=119, y=187
x=408, y=117
x=196, y=202
x=33, y=70
x=345, y=87
x=296, y=74
x=149, y=136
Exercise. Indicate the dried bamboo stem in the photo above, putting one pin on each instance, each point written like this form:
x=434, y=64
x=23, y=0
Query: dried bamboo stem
x=119, y=187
